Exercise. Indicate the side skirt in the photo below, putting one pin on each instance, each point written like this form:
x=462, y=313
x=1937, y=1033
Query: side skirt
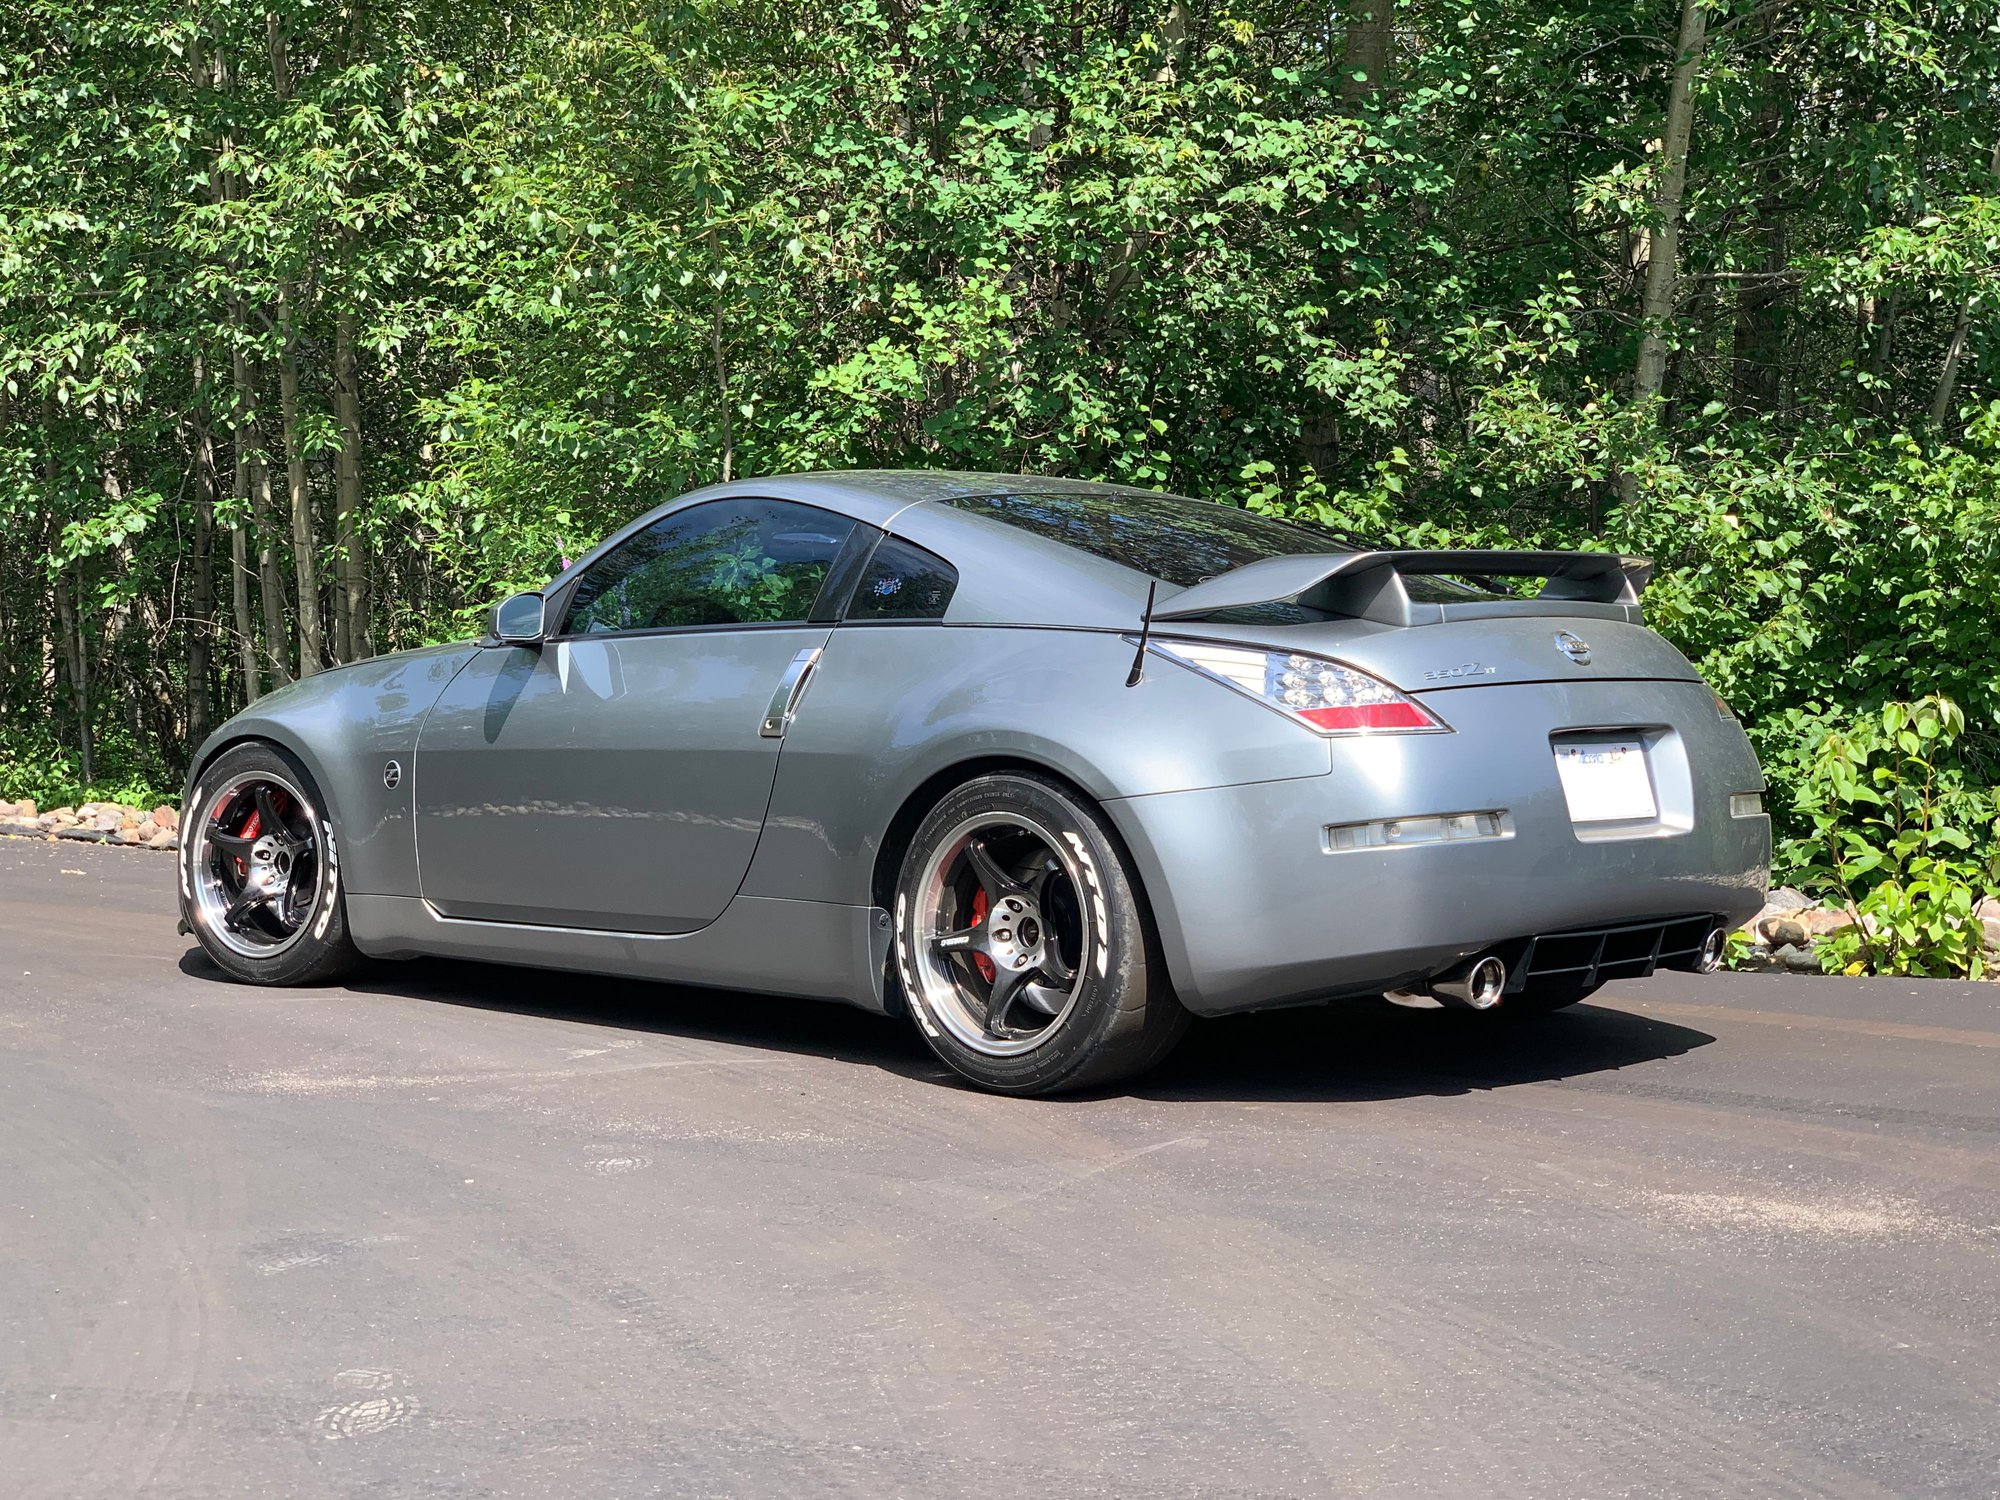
x=813, y=949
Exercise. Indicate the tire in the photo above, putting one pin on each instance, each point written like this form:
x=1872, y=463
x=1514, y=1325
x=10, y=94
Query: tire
x=267, y=908
x=1048, y=903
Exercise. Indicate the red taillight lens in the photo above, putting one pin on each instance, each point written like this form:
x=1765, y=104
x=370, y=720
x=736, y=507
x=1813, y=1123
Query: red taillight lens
x=1328, y=696
x=1404, y=715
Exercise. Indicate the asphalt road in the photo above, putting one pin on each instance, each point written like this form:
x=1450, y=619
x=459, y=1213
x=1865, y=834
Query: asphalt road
x=462, y=1231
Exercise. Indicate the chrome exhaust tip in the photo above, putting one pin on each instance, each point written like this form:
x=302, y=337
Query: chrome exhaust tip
x=1480, y=986
x=1714, y=948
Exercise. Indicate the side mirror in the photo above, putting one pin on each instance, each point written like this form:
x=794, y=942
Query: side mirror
x=517, y=620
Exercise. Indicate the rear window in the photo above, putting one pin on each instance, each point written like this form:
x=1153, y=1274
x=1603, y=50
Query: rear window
x=1168, y=537
x=1183, y=541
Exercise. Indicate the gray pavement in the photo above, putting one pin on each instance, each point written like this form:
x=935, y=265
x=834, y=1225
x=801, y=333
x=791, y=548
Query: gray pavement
x=463, y=1231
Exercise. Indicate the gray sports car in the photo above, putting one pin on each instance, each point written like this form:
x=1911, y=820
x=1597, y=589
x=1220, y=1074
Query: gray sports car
x=1050, y=765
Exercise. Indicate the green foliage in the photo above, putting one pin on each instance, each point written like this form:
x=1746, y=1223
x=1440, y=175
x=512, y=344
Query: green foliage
x=583, y=256
x=1899, y=838
x=36, y=766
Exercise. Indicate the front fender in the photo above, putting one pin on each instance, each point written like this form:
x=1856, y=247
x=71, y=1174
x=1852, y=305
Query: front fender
x=345, y=726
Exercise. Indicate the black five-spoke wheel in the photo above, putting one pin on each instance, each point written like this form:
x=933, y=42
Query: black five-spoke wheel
x=1007, y=965
x=260, y=874
x=1023, y=945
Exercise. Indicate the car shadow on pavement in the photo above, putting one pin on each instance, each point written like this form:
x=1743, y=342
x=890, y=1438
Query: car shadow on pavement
x=1354, y=1050
x=1370, y=1050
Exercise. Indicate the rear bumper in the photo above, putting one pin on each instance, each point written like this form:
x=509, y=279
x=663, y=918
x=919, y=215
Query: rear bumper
x=1256, y=907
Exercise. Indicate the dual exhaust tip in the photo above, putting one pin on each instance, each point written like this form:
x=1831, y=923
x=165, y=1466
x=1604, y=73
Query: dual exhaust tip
x=1482, y=984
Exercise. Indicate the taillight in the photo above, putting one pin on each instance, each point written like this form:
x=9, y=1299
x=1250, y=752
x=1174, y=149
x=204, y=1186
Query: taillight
x=1328, y=696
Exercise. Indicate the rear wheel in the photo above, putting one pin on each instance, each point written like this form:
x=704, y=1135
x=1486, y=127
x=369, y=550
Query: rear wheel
x=1022, y=943
x=260, y=871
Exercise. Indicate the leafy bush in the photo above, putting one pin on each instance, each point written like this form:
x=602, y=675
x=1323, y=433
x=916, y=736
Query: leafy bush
x=1899, y=838
x=34, y=765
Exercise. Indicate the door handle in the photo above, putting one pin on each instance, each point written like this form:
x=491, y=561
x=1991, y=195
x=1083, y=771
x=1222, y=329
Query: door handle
x=791, y=688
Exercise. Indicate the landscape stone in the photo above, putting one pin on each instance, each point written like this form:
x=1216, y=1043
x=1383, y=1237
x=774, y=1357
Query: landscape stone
x=1783, y=932
x=1797, y=959
x=1784, y=898
x=166, y=817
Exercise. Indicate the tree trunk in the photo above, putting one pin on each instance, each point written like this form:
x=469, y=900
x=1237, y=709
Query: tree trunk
x=201, y=586
x=76, y=667
x=1663, y=258
x=305, y=557
x=1758, y=348
x=239, y=606
x=239, y=541
x=1364, y=58
x=727, y=435
x=257, y=480
x=1955, y=350
x=351, y=618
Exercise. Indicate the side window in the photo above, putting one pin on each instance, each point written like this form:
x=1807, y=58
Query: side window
x=903, y=582
x=727, y=562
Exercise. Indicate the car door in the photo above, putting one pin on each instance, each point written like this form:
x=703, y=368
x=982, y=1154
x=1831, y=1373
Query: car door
x=616, y=775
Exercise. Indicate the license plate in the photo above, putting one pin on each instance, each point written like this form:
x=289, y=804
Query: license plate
x=1606, y=781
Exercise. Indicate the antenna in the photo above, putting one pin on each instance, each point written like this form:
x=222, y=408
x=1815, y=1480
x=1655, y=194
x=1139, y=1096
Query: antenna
x=1138, y=672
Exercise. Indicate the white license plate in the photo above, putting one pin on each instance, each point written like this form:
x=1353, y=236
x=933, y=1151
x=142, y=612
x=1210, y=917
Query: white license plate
x=1606, y=781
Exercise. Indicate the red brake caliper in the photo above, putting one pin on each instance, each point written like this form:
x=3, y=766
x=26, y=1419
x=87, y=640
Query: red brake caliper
x=252, y=826
x=979, y=960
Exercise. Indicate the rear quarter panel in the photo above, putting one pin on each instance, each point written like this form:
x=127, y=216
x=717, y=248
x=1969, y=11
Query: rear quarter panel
x=894, y=705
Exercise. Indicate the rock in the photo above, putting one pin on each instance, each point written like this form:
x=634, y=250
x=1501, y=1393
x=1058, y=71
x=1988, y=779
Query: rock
x=1990, y=926
x=25, y=808
x=1820, y=920
x=145, y=829
x=22, y=827
x=166, y=838
x=1782, y=932
x=1784, y=898
x=166, y=817
x=1757, y=959
x=1796, y=959
x=62, y=812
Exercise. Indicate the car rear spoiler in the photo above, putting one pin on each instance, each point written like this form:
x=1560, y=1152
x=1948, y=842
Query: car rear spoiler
x=1369, y=585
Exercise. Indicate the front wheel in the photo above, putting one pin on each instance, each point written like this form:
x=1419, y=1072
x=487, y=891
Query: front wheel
x=1023, y=945
x=260, y=871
